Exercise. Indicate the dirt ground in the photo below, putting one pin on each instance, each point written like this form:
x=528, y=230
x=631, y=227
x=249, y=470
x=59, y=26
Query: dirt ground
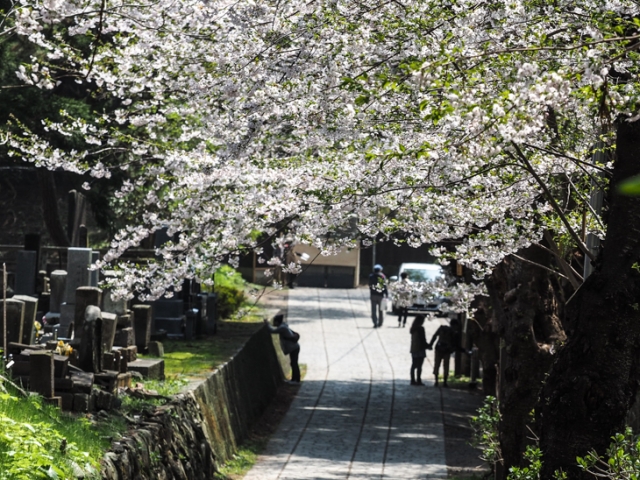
x=458, y=406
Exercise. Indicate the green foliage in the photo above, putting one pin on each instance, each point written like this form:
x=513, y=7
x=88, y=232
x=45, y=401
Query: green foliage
x=229, y=288
x=485, y=431
x=630, y=186
x=621, y=461
x=533, y=455
x=35, y=441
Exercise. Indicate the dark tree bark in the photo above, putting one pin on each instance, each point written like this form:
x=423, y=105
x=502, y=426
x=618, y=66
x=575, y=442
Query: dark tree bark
x=483, y=335
x=527, y=302
x=594, y=380
x=50, y=208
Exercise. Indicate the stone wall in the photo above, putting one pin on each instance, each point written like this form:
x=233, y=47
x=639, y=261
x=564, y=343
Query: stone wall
x=202, y=427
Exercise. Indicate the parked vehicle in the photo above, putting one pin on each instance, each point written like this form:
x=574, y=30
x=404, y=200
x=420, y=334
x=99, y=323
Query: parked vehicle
x=424, y=293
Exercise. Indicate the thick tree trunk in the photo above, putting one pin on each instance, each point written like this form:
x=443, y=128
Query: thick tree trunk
x=483, y=335
x=595, y=377
x=526, y=303
x=50, y=208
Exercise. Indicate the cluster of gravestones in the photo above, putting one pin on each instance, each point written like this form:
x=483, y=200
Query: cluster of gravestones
x=105, y=336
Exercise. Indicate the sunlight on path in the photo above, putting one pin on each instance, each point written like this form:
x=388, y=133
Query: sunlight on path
x=355, y=415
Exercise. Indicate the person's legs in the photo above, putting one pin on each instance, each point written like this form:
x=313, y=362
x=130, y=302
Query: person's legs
x=295, y=368
x=419, y=362
x=414, y=367
x=380, y=313
x=445, y=367
x=374, y=311
x=436, y=365
x=405, y=312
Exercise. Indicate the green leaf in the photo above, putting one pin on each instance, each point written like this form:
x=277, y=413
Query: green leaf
x=362, y=99
x=630, y=186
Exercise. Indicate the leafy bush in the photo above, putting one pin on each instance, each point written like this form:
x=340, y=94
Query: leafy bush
x=485, y=432
x=228, y=301
x=229, y=288
x=621, y=461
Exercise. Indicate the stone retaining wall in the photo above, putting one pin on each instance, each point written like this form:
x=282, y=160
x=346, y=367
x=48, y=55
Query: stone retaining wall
x=202, y=427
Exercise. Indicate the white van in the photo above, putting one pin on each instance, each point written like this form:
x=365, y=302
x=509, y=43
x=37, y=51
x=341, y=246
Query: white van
x=428, y=280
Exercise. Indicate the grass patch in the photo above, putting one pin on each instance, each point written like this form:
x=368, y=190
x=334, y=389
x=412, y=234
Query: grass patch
x=458, y=382
x=196, y=359
x=38, y=440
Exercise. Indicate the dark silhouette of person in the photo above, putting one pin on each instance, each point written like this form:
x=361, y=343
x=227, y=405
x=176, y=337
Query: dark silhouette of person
x=288, y=342
x=419, y=348
x=377, y=292
x=447, y=336
x=404, y=300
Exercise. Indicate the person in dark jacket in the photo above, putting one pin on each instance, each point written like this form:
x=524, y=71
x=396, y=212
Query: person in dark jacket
x=288, y=342
x=377, y=292
x=448, y=343
x=419, y=348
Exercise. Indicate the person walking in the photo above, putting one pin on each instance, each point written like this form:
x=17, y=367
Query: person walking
x=447, y=344
x=403, y=291
x=419, y=348
x=288, y=342
x=377, y=292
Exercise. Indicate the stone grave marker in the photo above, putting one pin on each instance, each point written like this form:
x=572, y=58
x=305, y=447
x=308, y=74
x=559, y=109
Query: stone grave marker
x=26, y=269
x=90, y=357
x=85, y=296
x=109, y=324
x=142, y=317
x=41, y=373
x=30, y=310
x=78, y=262
x=118, y=307
x=58, y=284
x=15, y=321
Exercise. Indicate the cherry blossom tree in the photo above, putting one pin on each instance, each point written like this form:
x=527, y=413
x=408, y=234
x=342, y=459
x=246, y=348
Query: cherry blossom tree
x=480, y=122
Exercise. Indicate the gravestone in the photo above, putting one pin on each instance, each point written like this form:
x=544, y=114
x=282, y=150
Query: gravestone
x=58, y=284
x=85, y=296
x=125, y=337
x=168, y=316
x=94, y=275
x=90, y=357
x=118, y=307
x=78, y=263
x=109, y=324
x=41, y=373
x=156, y=349
x=15, y=321
x=30, y=310
x=26, y=269
x=125, y=320
x=142, y=325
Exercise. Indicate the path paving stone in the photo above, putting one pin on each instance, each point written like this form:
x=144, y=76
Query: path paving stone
x=355, y=415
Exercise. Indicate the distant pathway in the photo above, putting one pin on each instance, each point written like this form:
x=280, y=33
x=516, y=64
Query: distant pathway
x=355, y=415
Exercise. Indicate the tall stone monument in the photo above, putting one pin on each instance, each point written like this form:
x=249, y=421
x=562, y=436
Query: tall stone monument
x=78, y=263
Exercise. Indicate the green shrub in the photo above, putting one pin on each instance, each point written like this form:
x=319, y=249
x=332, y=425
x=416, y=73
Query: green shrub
x=485, y=432
x=229, y=288
x=621, y=461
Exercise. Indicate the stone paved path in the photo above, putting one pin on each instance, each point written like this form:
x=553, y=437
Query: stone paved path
x=355, y=415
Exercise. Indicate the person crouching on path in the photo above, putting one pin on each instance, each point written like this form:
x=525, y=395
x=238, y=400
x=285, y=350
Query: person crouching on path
x=419, y=348
x=288, y=342
x=377, y=292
